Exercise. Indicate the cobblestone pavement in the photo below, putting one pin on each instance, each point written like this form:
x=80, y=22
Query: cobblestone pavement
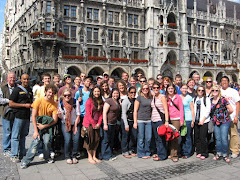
x=122, y=168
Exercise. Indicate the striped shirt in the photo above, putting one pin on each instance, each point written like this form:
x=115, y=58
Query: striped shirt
x=155, y=115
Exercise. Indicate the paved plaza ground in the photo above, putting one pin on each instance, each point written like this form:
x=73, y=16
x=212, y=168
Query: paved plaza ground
x=122, y=168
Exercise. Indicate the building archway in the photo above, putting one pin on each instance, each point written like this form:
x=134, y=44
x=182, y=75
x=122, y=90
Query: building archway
x=117, y=73
x=171, y=37
x=138, y=70
x=73, y=71
x=206, y=75
x=168, y=73
x=219, y=76
x=171, y=18
x=171, y=57
x=234, y=78
x=96, y=71
x=191, y=74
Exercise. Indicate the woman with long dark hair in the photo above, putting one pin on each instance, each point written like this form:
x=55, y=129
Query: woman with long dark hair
x=104, y=90
x=92, y=121
x=176, y=115
x=111, y=113
x=69, y=112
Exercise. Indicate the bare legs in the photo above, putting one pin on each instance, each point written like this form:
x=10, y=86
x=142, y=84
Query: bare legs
x=92, y=157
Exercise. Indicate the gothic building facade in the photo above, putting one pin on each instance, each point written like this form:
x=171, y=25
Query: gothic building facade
x=115, y=36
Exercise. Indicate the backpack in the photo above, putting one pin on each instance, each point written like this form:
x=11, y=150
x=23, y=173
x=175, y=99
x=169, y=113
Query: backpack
x=131, y=109
x=204, y=100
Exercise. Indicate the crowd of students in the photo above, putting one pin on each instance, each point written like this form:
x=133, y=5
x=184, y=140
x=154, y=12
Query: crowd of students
x=128, y=115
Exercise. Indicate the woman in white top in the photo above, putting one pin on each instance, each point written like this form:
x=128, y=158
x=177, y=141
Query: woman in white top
x=159, y=117
x=69, y=112
x=202, y=108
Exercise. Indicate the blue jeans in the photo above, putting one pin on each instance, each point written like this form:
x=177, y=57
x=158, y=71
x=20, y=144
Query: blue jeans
x=144, y=139
x=129, y=139
x=187, y=140
x=160, y=141
x=108, y=142
x=34, y=146
x=221, y=135
x=68, y=136
x=7, y=132
x=19, y=132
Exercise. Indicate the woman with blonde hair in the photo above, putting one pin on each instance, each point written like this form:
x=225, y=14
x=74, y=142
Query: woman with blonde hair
x=142, y=121
x=220, y=111
x=69, y=111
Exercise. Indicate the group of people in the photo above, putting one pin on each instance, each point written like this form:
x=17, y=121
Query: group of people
x=128, y=115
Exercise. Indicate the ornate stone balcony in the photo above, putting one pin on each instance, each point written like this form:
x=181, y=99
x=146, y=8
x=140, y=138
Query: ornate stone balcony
x=48, y=36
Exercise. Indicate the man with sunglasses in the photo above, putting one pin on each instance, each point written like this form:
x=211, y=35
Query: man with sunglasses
x=233, y=98
x=20, y=101
x=68, y=84
x=159, y=78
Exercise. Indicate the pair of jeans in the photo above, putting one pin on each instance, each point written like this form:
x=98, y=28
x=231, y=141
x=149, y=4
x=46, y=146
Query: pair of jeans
x=160, y=141
x=221, y=135
x=20, y=130
x=68, y=137
x=108, y=142
x=144, y=138
x=129, y=139
x=34, y=146
x=187, y=140
x=7, y=132
x=200, y=137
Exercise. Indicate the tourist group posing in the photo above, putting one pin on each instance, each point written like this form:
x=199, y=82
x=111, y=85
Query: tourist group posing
x=136, y=116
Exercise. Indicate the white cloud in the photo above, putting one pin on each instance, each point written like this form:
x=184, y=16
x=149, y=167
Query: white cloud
x=237, y=1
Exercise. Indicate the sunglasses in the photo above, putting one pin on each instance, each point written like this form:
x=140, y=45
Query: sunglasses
x=201, y=90
x=133, y=92
x=145, y=89
x=67, y=95
x=139, y=75
x=142, y=81
x=216, y=90
x=159, y=78
x=67, y=77
x=156, y=87
x=208, y=81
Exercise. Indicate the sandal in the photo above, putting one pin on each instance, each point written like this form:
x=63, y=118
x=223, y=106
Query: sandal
x=127, y=156
x=75, y=161
x=91, y=161
x=156, y=158
x=69, y=161
x=226, y=159
x=202, y=157
x=215, y=158
x=175, y=159
x=155, y=155
x=97, y=160
x=133, y=154
x=198, y=156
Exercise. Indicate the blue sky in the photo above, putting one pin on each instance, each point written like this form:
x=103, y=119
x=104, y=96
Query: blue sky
x=237, y=1
x=2, y=5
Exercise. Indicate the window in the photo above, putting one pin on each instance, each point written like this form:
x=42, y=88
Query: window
x=95, y=52
x=66, y=10
x=199, y=45
x=95, y=14
x=8, y=52
x=189, y=29
x=89, y=33
x=199, y=29
x=89, y=13
x=110, y=35
x=116, y=17
x=73, y=51
x=216, y=49
x=215, y=32
x=203, y=30
x=48, y=51
x=73, y=11
x=116, y=54
x=130, y=37
x=66, y=30
x=49, y=6
x=203, y=45
x=48, y=26
x=135, y=38
x=135, y=19
x=116, y=36
x=73, y=31
x=130, y=19
x=95, y=34
x=89, y=52
x=211, y=32
x=110, y=16
x=135, y=55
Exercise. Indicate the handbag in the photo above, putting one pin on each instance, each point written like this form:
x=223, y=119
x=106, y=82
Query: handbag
x=9, y=114
x=162, y=115
x=84, y=134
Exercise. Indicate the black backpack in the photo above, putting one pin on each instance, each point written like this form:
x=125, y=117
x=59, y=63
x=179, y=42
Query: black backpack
x=131, y=109
x=204, y=100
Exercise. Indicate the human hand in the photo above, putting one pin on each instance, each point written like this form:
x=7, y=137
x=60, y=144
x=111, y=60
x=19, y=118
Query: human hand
x=40, y=126
x=105, y=127
x=35, y=135
x=127, y=129
x=135, y=125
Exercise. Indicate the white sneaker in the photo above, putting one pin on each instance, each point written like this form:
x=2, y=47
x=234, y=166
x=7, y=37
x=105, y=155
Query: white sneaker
x=52, y=154
x=7, y=154
x=234, y=156
x=15, y=159
x=41, y=156
x=50, y=161
x=113, y=158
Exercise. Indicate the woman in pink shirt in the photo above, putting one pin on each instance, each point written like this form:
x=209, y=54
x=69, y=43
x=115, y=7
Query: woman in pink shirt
x=176, y=116
x=92, y=121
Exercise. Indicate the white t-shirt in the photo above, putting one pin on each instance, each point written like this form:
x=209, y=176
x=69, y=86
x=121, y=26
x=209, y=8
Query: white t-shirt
x=233, y=97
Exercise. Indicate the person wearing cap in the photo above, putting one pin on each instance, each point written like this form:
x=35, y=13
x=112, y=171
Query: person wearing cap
x=99, y=80
x=105, y=76
x=68, y=84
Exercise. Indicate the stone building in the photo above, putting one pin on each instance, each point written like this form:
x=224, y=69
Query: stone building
x=115, y=36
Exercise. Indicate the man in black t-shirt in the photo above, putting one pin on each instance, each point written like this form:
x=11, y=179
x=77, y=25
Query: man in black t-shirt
x=21, y=101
